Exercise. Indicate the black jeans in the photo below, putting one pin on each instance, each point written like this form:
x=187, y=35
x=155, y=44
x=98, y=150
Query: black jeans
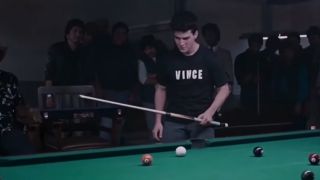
x=179, y=130
x=15, y=142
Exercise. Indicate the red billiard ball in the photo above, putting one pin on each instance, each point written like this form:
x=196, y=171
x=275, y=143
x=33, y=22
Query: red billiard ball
x=314, y=159
x=307, y=175
x=146, y=159
x=258, y=151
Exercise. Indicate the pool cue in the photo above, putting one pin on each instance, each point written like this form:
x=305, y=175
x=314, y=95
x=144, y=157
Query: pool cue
x=153, y=110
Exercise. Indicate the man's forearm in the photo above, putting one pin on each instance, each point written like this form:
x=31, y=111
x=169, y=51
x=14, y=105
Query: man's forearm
x=159, y=100
x=221, y=96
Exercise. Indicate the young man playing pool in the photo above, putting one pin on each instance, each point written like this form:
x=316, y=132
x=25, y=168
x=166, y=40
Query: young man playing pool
x=187, y=80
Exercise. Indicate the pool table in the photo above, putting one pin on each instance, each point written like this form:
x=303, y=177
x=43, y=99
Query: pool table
x=285, y=158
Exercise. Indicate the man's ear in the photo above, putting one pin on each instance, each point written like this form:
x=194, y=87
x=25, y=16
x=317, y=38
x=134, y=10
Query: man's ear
x=196, y=34
x=3, y=51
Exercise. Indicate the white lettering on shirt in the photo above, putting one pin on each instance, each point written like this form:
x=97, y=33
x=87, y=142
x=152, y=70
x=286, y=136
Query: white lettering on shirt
x=188, y=74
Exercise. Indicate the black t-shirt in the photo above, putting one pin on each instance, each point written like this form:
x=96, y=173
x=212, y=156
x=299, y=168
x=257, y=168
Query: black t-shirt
x=190, y=80
x=117, y=68
x=68, y=67
x=62, y=67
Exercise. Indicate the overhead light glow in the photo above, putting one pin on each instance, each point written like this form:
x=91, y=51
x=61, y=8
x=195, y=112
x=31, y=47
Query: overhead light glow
x=285, y=37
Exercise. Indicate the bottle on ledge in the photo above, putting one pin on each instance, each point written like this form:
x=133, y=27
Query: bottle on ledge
x=50, y=103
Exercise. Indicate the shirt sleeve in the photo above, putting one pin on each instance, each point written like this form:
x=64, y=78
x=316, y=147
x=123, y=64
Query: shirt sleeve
x=161, y=75
x=217, y=71
x=142, y=72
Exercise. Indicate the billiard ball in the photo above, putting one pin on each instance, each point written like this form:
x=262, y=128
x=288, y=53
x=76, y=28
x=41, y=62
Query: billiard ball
x=146, y=159
x=314, y=159
x=181, y=151
x=307, y=175
x=258, y=151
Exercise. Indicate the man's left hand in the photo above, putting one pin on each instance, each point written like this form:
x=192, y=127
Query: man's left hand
x=206, y=117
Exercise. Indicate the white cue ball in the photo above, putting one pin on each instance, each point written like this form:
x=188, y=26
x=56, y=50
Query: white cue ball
x=181, y=151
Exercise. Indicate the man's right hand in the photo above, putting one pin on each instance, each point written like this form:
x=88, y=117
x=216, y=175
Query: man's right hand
x=157, y=131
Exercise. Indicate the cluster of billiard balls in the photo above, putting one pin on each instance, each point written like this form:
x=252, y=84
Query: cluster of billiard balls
x=181, y=151
x=147, y=159
x=313, y=158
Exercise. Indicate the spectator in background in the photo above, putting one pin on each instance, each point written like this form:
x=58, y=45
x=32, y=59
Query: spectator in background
x=271, y=57
x=90, y=33
x=249, y=73
x=311, y=56
x=289, y=81
x=294, y=39
x=311, y=53
x=211, y=34
x=13, y=141
x=65, y=66
x=103, y=33
x=117, y=71
x=89, y=54
x=148, y=76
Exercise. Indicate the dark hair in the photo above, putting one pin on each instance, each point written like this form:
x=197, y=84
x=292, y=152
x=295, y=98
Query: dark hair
x=313, y=30
x=120, y=25
x=184, y=21
x=148, y=40
x=3, y=51
x=72, y=23
x=293, y=34
x=212, y=28
x=255, y=38
x=91, y=28
x=285, y=45
x=273, y=41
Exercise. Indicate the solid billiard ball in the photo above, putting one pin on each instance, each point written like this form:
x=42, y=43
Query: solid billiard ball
x=314, y=159
x=181, y=151
x=307, y=175
x=258, y=151
x=146, y=159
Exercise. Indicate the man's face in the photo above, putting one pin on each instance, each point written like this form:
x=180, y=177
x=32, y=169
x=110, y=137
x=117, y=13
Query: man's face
x=120, y=36
x=185, y=41
x=255, y=46
x=75, y=35
x=210, y=38
x=150, y=51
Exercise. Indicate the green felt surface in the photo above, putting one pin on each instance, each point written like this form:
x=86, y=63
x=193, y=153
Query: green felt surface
x=284, y=159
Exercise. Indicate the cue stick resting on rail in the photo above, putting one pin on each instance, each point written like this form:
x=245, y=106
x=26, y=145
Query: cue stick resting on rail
x=153, y=110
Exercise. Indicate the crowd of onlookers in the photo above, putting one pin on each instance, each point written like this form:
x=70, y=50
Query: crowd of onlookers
x=283, y=77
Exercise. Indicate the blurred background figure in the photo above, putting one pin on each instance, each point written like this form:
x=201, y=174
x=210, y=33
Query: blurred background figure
x=117, y=71
x=289, y=77
x=212, y=36
x=249, y=72
x=13, y=115
x=271, y=57
x=147, y=76
x=311, y=56
x=64, y=58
